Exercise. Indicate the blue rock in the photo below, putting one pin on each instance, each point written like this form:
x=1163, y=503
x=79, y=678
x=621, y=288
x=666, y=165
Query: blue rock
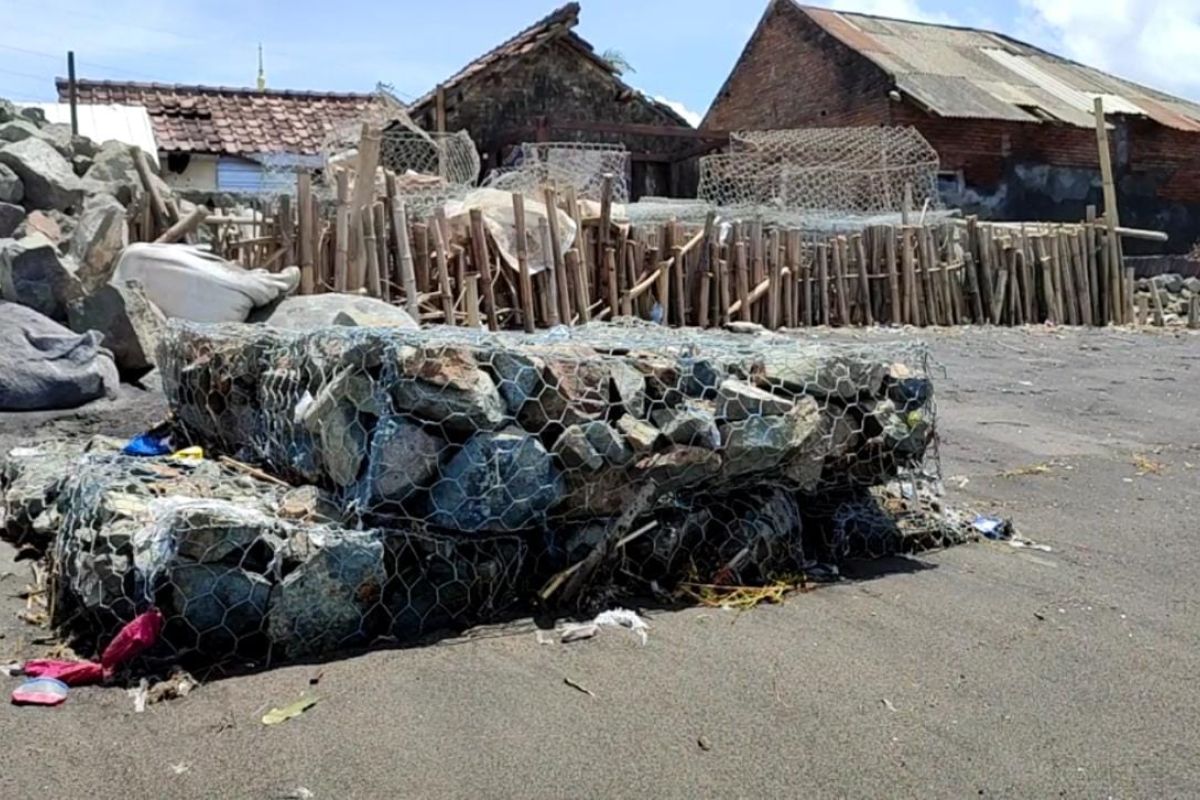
x=497, y=482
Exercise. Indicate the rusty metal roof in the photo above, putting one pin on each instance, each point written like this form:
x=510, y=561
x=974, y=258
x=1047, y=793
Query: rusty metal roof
x=971, y=73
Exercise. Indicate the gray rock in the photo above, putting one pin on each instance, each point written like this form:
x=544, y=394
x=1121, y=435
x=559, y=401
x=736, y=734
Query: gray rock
x=34, y=115
x=130, y=323
x=446, y=386
x=737, y=400
x=11, y=217
x=44, y=366
x=497, y=482
x=679, y=467
x=819, y=372
x=608, y=443
x=641, y=436
x=81, y=164
x=575, y=450
x=221, y=605
x=404, y=459
x=59, y=136
x=33, y=274
x=1172, y=282
x=1192, y=285
x=757, y=444
x=11, y=188
x=101, y=233
x=304, y=313
x=580, y=386
x=48, y=178
x=112, y=172
x=18, y=131
x=689, y=424
x=31, y=478
x=7, y=110
x=329, y=602
x=333, y=420
x=49, y=224
x=518, y=378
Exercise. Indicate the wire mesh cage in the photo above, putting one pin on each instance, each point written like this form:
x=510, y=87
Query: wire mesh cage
x=815, y=171
x=578, y=165
x=387, y=484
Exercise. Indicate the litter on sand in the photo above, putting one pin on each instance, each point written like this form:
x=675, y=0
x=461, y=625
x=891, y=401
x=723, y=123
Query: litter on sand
x=40, y=692
x=613, y=618
x=278, y=715
x=579, y=687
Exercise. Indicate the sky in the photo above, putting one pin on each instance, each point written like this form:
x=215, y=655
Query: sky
x=680, y=50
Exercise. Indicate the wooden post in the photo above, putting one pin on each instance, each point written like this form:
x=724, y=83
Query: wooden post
x=1079, y=268
x=606, y=184
x=479, y=252
x=473, y=301
x=287, y=232
x=1127, y=290
x=743, y=280
x=610, y=276
x=839, y=275
x=161, y=216
x=864, y=279
x=679, y=299
x=404, y=260
x=925, y=291
x=72, y=93
x=443, y=258
x=999, y=295
x=889, y=249
x=1096, y=276
x=439, y=110
x=909, y=276
x=723, y=294
x=1048, y=299
x=774, y=271
x=341, y=257
x=184, y=226
x=1111, y=219
x=823, y=282
x=304, y=231
x=381, y=255
x=662, y=292
x=526, y=283
x=370, y=252
x=1193, y=322
x=791, y=285
x=556, y=254
x=364, y=193
x=575, y=273
x=551, y=273
x=906, y=209
x=1156, y=304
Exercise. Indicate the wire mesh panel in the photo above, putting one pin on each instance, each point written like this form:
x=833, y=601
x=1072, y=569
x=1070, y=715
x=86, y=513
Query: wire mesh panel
x=813, y=170
x=580, y=165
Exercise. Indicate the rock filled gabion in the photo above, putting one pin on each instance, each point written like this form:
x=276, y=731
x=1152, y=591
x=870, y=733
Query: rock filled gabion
x=433, y=479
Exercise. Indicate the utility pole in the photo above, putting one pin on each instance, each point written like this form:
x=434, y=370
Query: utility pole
x=71, y=92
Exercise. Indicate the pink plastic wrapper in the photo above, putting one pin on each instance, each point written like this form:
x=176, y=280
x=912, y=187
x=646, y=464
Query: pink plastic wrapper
x=40, y=692
x=141, y=632
x=72, y=673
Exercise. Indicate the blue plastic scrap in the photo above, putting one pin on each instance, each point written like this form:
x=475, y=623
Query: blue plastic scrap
x=149, y=444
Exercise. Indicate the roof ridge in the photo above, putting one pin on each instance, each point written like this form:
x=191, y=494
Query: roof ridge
x=565, y=15
x=203, y=89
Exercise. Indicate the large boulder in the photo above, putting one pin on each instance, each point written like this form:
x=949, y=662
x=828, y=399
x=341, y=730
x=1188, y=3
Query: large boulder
x=49, y=224
x=447, y=386
x=100, y=235
x=33, y=274
x=403, y=459
x=130, y=323
x=497, y=482
x=11, y=188
x=49, y=180
x=7, y=110
x=34, y=114
x=18, y=130
x=45, y=366
x=11, y=217
x=328, y=601
x=112, y=172
x=307, y=312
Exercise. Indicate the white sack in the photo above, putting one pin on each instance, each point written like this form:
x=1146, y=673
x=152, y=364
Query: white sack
x=497, y=208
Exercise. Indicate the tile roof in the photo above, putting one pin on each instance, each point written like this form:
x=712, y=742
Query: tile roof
x=556, y=26
x=971, y=73
x=228, y=120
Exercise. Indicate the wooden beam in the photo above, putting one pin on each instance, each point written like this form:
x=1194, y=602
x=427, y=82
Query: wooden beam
x=184, y=226
x=404, y=257
x=525, y=281
x=480, y=254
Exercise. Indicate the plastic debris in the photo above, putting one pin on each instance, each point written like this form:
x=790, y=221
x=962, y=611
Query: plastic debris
x=992, y=527
x=139, y=694
x=579, y=687
x=148, y=444
x=40, y=692
x=72, y=673
x=190, y=454
x=575, y=633
x=623, y=618
x=141, y=632
x=278, y=715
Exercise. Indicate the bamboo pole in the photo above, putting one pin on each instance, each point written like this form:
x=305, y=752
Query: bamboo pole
x=743, y=281
x=575, y=271
x=556, y=256
x=184, y=226
x=1048, y=299
x=839, y=275
x=889, y=249
x=679, y=300
x=1111, y=219
x=370, y=252
x=341, y=259
x=864, y=279
x=723, y=289
x=775, y=268
x=552, y=288
x=306, y=222
x=443, y=259
x=483, y=265
x=381, y=247
x=1095, y=275
x=1193, y=322
x=404, y=258
x=473, y=301
x=526, y=282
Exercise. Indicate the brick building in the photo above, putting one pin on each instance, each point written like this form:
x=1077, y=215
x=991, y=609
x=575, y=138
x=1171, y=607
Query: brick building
x=1013, y=124
x=546, y=83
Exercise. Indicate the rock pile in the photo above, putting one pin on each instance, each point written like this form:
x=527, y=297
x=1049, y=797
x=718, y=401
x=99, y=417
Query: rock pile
x=65, y=202
x=1175, y=292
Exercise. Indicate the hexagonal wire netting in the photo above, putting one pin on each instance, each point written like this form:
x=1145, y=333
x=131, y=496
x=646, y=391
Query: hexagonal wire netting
x=406, y=482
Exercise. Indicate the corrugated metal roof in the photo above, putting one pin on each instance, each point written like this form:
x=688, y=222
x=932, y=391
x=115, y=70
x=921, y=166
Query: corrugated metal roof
x=127, y=124
x=965, y=72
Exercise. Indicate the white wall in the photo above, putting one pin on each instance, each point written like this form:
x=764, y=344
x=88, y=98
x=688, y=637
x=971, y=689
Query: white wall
x=200, y=175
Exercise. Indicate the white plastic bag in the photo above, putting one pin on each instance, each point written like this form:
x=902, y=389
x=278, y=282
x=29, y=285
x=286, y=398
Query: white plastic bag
x=188, y=283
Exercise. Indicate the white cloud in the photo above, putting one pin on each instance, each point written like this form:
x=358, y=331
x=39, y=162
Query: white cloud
x=1151, y=42
x=693, y=118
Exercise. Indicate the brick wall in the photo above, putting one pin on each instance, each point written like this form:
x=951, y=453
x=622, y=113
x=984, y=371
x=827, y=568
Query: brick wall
x=793, y=74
